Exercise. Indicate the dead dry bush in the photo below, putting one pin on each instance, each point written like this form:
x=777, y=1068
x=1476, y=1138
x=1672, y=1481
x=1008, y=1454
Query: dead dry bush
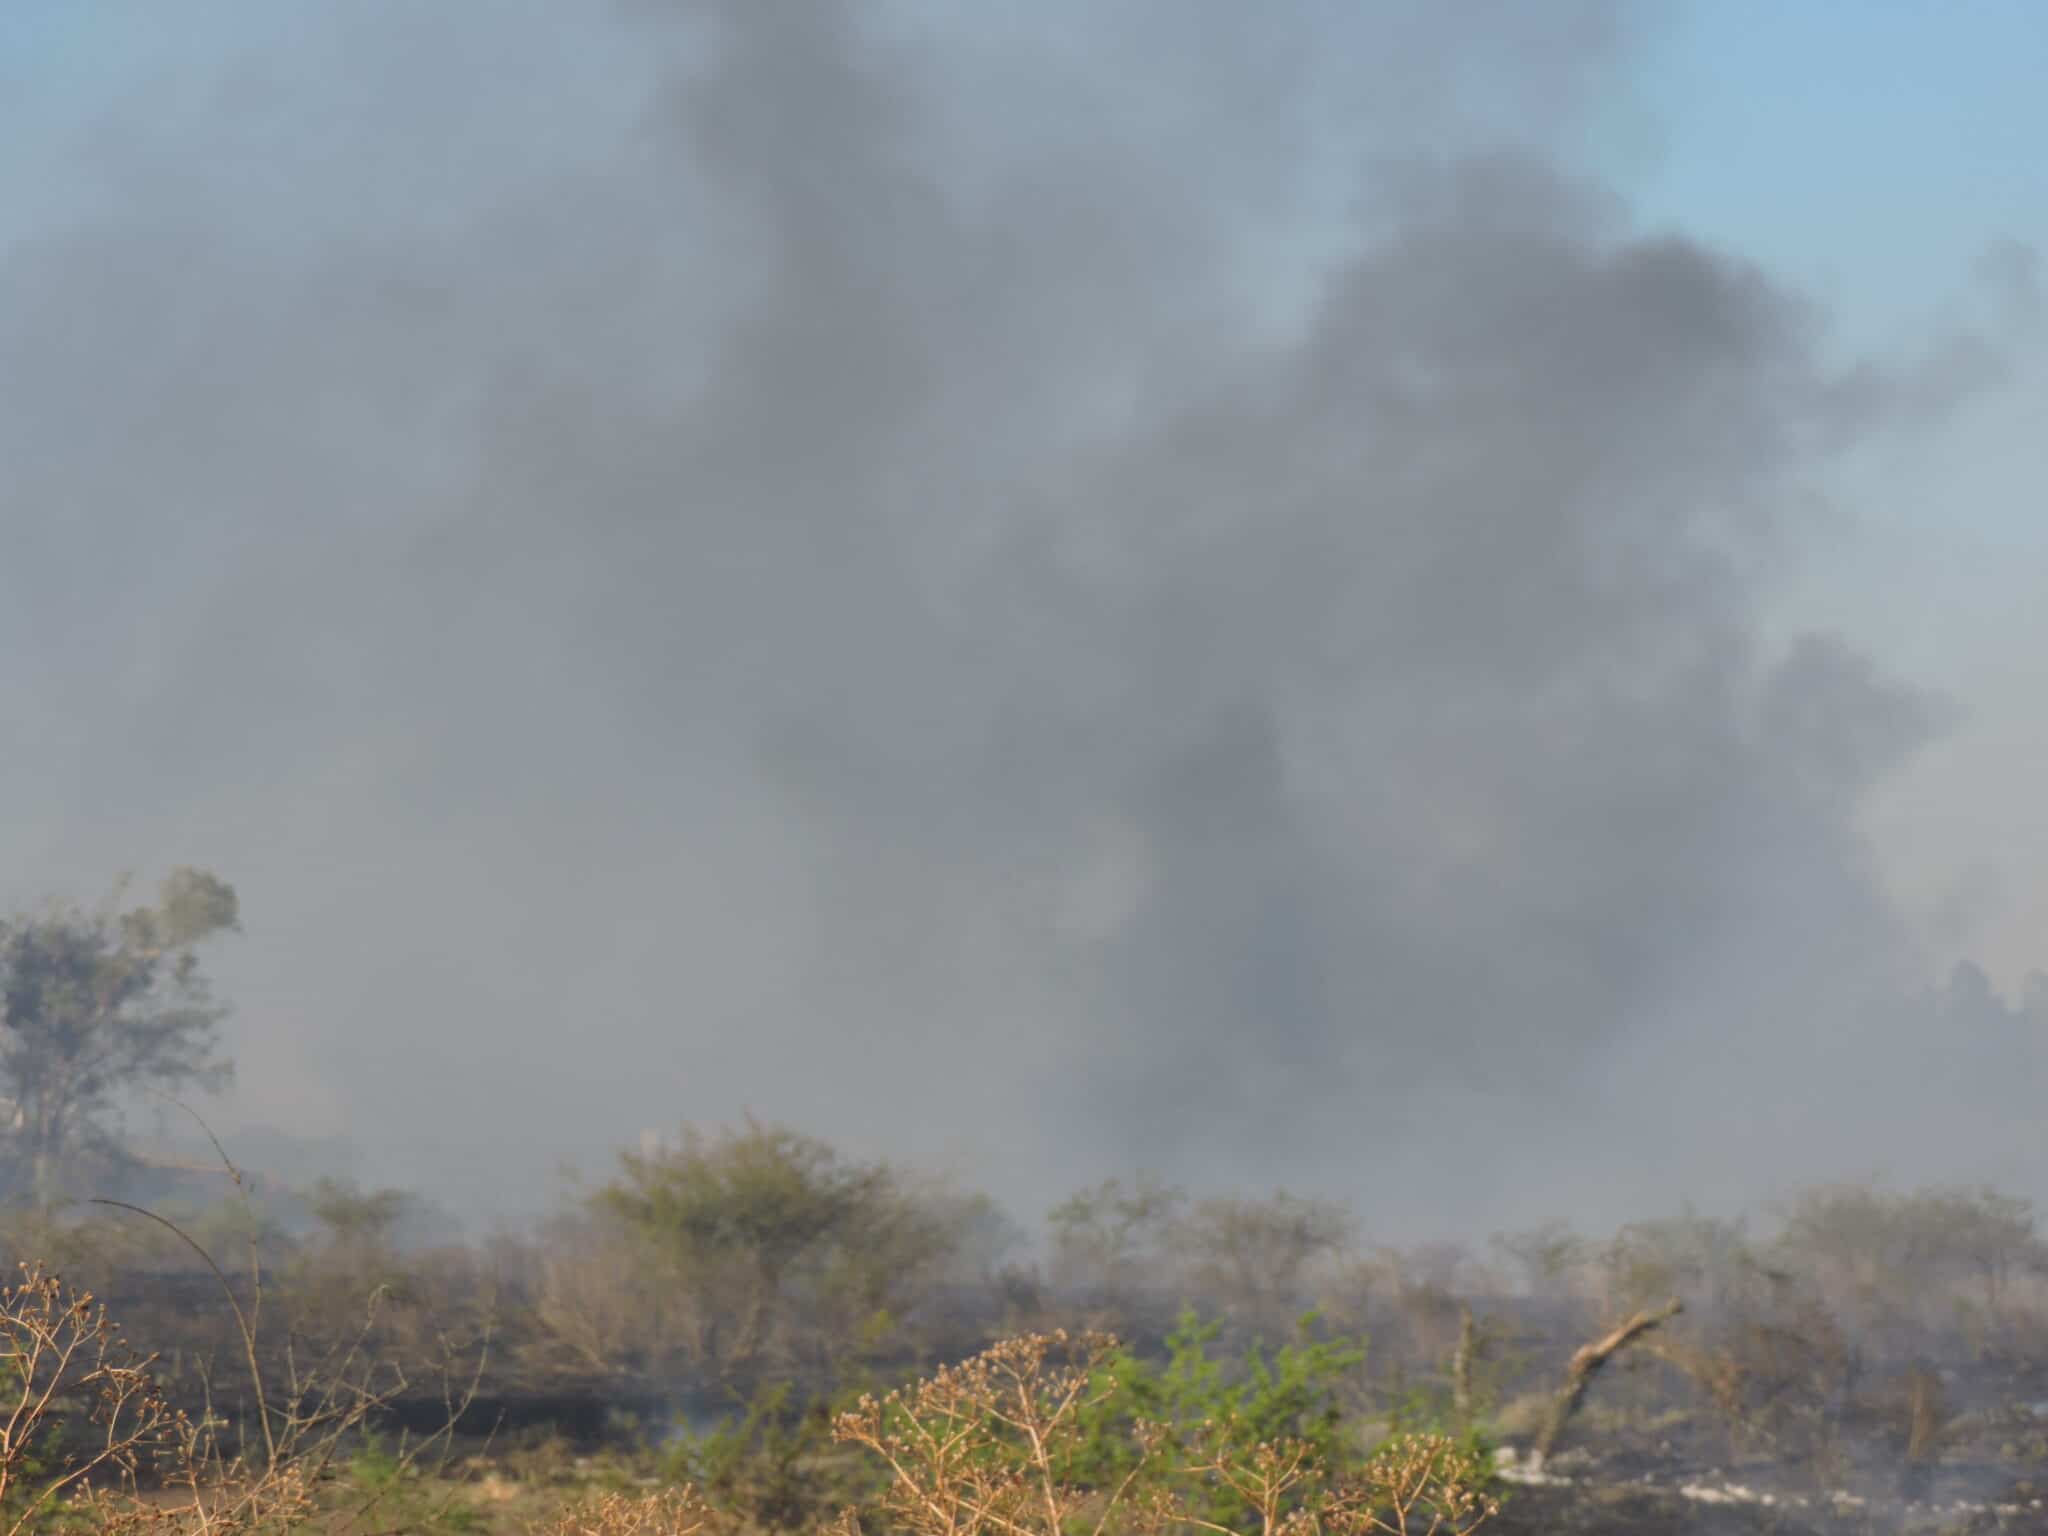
x=663, y=1512
x=305, y=1409
x=88, y=1433
x=1777, y=1370
x=79, y=1401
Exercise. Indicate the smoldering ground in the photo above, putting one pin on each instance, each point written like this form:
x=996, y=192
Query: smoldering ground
x=1163, y=592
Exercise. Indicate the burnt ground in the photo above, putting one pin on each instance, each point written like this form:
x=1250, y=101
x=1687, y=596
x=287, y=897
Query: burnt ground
x=1593, y=1509
x=1641, y=1494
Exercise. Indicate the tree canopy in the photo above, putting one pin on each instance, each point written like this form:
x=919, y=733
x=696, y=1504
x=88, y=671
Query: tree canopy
x=773, y=1234
x=95, y=1004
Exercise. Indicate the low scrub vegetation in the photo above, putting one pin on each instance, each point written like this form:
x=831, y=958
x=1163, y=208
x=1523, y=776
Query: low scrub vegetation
x=729, y=1312
x=1039, y=1435
x=720, y=1336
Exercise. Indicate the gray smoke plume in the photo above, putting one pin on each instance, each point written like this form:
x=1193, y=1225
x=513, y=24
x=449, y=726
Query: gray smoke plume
x=1161, y=590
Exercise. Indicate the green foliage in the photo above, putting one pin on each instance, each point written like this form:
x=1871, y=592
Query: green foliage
x=378, y=1480
x=1038, y=1436
x=1887, y=1252
x=1299, y=1394
x=789, y=1252
x=1425, y=1408
x=1706, y=1260
x=775, y=1466
x=191, y=906
x=356, y=1218
x=1104, y=1238
x=95, y=1005
x=1307, y=1393
x=1255, y=1256
x=42, y=1461
x=374, y=1469
x=1545, y=1255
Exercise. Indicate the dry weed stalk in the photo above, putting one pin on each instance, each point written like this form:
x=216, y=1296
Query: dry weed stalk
x=202, y=1498
x=984, y=1446
x=1269, y=1481
x=60, y=1347
x=322, y=1407
x=1421, y=1485
x=63, y=1353
x=667, y=1512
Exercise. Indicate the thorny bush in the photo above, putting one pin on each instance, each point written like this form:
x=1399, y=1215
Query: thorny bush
x=995, y=1446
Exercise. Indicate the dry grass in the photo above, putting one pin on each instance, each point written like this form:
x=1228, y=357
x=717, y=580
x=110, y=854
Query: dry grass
x=662, y=1512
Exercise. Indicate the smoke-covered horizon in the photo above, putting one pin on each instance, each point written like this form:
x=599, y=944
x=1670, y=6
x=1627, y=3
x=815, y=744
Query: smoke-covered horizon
x=1192, y=591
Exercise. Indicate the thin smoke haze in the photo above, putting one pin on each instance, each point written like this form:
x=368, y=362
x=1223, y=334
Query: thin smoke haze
x=1158, y=591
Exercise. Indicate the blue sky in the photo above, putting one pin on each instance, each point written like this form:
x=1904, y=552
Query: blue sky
x=1868, y=150
x=1871, y=153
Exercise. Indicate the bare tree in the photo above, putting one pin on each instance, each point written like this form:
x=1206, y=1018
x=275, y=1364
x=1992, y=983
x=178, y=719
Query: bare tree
x=1105, y=1239
x=1256, y=1257
x=1546, y=1256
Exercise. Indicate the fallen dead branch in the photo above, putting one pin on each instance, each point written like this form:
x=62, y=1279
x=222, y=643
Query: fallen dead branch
x=1586, y=1363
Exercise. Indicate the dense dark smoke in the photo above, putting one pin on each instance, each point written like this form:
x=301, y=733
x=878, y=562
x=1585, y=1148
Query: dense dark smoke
x=815, y=560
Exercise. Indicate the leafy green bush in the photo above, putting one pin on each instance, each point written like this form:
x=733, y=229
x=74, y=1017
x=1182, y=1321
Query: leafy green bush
x=775, y=1467
x=1298, y=1395
x=1042, y=1436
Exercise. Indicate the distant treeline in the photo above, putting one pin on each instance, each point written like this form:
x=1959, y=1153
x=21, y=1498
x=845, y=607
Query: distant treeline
x=739, y=1261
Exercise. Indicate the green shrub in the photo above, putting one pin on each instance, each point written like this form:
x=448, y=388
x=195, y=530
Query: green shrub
x=775, y=1467
x=1044, y=1436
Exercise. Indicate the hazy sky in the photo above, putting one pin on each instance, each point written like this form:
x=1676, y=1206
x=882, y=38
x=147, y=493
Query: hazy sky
x=1435, y=603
